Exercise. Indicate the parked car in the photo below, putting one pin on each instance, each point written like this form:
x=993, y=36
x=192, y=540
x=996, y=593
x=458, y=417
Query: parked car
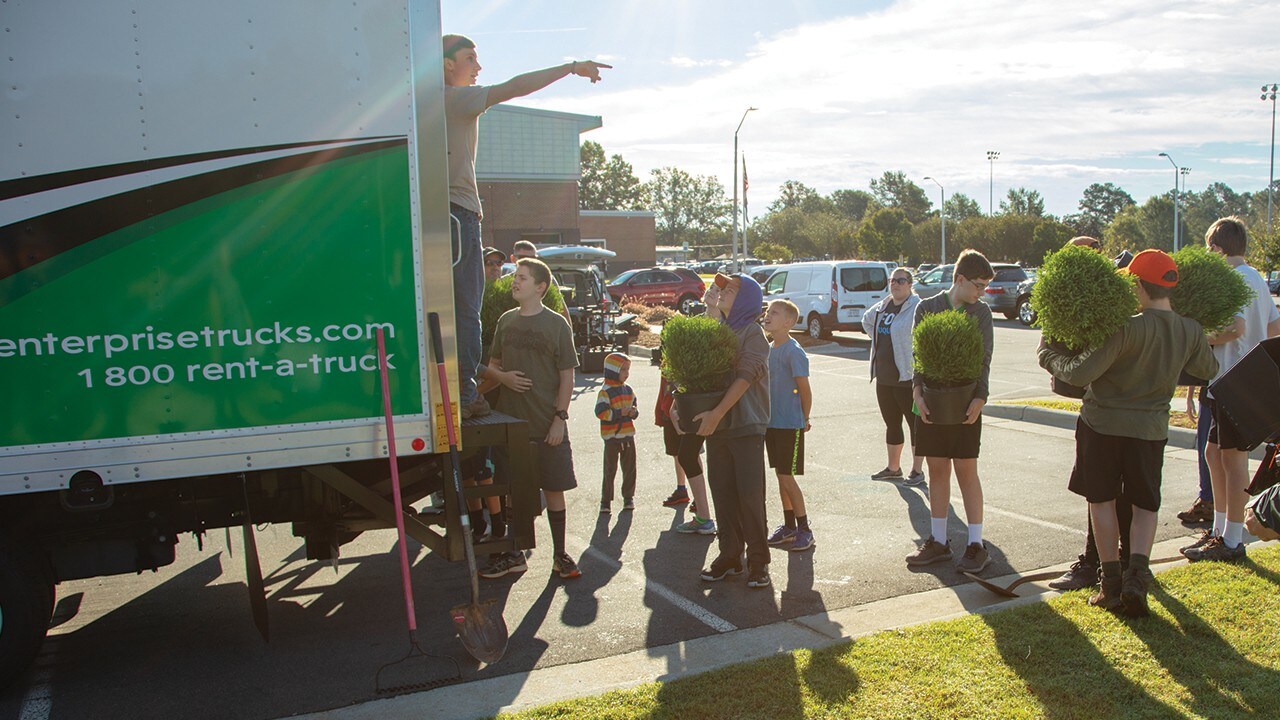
x=1274, y=282
x=1001, y=295
x=831, y=295
x=677, y=288
x=762, y=273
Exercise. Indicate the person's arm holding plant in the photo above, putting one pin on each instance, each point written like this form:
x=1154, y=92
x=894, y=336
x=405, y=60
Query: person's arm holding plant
x=1234, y=331
x=1084, y=368
x=984, y=381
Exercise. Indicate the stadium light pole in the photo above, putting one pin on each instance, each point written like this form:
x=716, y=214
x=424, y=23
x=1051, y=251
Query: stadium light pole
x=1269, y=93
x=991, y=188
x=736, y=266
x=1175, y=199
x=942, y=212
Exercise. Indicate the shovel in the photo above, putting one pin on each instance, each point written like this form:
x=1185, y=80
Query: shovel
x=480, y=626
x=403, y=674
x=1007, y=590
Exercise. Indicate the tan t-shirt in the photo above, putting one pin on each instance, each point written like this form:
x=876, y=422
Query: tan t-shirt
x=463, y=107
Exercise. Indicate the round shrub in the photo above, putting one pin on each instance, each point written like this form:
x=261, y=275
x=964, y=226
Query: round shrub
x=497, y=300
x=1080, y=299
x=948, y=348
x=699, y=353
x=1209, y=290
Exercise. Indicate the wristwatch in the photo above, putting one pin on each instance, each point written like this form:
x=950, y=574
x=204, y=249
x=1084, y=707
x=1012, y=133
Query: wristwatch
x=563, y=415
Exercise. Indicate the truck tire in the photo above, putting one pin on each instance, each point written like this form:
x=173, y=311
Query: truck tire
x=26, y=605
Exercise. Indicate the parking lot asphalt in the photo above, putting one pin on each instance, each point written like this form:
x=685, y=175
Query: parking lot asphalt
x=181, y=643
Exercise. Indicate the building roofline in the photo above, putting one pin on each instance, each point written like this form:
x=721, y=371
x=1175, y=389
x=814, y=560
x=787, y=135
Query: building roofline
x=617, y=213
x=585, y=122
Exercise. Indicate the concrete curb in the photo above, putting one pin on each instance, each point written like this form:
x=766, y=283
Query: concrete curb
x=520, y=691
x=1178, y=437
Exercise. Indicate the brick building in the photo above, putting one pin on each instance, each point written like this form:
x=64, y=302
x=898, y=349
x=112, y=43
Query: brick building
x=527, y=170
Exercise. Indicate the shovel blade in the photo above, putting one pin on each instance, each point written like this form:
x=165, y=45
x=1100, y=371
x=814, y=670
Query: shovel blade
x=482, y=630
x=1001, y=591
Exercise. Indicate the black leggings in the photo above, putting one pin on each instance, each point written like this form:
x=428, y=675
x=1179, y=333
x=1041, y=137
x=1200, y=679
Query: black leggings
x=690, y=452
x=895, y=406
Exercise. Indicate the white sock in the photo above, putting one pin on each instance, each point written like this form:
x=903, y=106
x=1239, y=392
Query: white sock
x=1219, y=523
x=939, y=529
x=1233, y=534
x=975, y=533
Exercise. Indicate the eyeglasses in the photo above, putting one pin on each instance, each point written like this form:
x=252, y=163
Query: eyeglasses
x=901, y=281
x=982, y=286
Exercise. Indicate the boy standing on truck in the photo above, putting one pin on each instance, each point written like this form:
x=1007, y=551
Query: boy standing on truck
x=790, y=399
x=464, y=103
x=538, y=343
x=616, y=408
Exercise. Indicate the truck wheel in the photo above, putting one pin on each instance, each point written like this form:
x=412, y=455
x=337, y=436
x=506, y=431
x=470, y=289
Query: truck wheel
x=1026, y=315
x=26, y=605
x=686, y=305
x=817, y=329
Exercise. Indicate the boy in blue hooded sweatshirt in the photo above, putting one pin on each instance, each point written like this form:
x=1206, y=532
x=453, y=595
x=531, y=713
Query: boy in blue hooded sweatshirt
x=735, y=440
x=616, y=408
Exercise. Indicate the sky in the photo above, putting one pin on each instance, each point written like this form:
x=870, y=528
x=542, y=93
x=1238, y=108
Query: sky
x=1069, y=94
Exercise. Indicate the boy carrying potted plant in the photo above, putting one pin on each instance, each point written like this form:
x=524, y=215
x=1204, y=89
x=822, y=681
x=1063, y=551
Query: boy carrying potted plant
x=948, y=447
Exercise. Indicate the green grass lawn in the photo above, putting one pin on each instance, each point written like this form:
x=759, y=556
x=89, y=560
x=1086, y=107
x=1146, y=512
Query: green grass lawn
x=1211, y=649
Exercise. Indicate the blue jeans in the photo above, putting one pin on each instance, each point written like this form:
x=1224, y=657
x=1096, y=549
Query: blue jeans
x=468, y=293
x=1202, y=439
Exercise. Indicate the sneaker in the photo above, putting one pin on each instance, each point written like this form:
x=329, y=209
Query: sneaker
x=679, y=497
x=1205, y=536
x=1200, y=512
x=887, y=474
x=1081, y=575
x=781, y=536
x=701, y=527
x=802, y=540
x=566, y=567
x=759, y=578
x=915, y=479
x=628, y=504
x=1108, y=595
x=503, y=563
x=477, y=408
x=1216, y=550
x=930, y=552
x=605, y=509
x=716, y=574
x=1133, y=592
x=975, y=558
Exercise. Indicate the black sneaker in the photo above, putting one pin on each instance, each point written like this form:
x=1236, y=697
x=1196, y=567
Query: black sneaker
x=716, y=574
x=887, y=474
x=975, y=558
x=566, y=567
x=1081, y=575
x=628, y=504
x=679, y=497
x=1108, y=595
x=758, y=578
x=1205, y=536
x=605, y=509
x=1216, y=550
x=502, y=564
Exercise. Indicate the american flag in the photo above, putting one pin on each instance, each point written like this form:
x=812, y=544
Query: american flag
x=744, y=176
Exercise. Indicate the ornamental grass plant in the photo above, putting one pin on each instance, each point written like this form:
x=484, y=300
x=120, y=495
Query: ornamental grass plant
x=1080, y=299
x=948, y=349
x=699, y=353
x=1209, y=290
x=498, y=300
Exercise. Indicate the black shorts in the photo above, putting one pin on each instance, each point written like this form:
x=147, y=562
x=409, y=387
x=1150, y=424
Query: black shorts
x=956, y=442
x=554, y=464
x=785, y=449
x=671, y=438
x=1222, y=430
x=1109, y=467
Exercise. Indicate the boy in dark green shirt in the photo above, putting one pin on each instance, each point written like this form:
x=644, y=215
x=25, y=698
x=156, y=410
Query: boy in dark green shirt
x=1124, y=423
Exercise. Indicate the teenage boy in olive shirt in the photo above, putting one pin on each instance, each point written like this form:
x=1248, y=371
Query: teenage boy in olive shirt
x=1124, y=423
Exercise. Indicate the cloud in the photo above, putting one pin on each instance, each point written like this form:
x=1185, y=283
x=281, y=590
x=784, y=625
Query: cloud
x=927, y=86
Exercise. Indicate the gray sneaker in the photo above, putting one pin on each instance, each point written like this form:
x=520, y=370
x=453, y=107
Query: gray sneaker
x=931, y=552
x=477, y=408
x=694, y=526
x=1216, y=550
x=975, y=558
x=1081, y=575
x=887, y=474
x=915, y=479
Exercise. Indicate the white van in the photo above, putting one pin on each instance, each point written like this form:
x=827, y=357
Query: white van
x=831, y=295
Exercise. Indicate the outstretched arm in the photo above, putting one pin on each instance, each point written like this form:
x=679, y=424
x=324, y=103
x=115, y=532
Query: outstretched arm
x=532, y=82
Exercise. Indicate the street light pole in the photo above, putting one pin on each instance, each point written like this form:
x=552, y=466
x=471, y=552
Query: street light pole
x=942, y=212
x=1269, y=93
x=1175, y=199
x=736, y=265
x=991, y=189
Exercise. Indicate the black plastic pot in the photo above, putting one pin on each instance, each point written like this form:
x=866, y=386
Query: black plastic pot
x=1058, y=385
x=690, y=405
x=948, y=406
x=1249, y=392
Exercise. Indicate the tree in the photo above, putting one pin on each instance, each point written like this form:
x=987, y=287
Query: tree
x=961, y=207
x=1048, y=236
x=688, y=208
x=772, y=253
x=1098, y=206
x=894, y=190
x=607, y=185
x=884, y=235
x=1022, y=201
x=795, y=194
x=853, y=204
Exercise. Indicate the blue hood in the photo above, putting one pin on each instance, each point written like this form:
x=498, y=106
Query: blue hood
x=746, y=307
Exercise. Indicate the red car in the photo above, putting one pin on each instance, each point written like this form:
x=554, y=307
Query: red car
x=677, y=288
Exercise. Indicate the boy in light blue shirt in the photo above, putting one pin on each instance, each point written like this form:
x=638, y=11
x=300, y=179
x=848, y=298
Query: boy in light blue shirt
x=790, y=399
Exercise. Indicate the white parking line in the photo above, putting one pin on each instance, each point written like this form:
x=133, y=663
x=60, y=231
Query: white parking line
x=708, y=618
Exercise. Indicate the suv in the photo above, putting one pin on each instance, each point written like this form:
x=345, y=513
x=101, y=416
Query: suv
x=678, y=288
x=1001, y=294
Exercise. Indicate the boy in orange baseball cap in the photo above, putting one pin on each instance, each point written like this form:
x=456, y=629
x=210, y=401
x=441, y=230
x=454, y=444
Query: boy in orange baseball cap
x=1124, y=423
